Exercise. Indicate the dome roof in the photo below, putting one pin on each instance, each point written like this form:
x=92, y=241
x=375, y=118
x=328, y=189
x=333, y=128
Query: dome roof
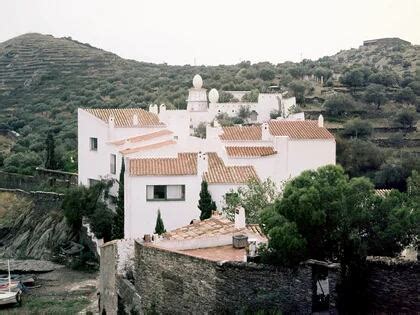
x=213, y=96
x=197, y=81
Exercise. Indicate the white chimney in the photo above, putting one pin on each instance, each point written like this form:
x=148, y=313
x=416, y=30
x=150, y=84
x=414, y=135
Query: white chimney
x=202, y=163
x=135, y=120
x=239, y=218
x=321, y=121
x=153, y=108
x=162, y=108
x=265, y=132
x=111, y=122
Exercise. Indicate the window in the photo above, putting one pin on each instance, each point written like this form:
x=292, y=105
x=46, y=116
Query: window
x=92, y=182
x=113, y=164
x=93, y=144
x=165, y=192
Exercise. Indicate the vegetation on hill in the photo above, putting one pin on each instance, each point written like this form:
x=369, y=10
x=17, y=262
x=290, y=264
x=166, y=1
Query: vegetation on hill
x=43, y=80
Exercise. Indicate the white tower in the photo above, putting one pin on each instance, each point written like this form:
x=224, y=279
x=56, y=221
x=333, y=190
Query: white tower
x=197, y=96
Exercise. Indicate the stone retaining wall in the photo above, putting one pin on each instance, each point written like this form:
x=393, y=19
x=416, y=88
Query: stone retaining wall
x=394, y=286
x=170, y=282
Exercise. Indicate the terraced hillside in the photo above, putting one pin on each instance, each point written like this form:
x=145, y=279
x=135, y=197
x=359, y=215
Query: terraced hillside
x=43, y=80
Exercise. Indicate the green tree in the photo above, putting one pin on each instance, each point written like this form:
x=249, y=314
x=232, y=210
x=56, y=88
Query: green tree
x=50, y=160
x=359, y=157
x=299, y=89
x=406, y=119
x=118, y=224
x=251, y=96
x=375, y=93
x=356, y=77
x=159, y=227
x=225, y=97
x=357, y=128
x=244, y=112
x=406, y=95
x=205, y=203
x=267, y=74
x=339, y=105
x=253, y=197
x=327, y=216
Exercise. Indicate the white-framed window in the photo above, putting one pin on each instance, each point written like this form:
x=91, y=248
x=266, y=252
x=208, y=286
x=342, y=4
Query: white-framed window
x=113, y=164
x=93, y=144
x=165, y=192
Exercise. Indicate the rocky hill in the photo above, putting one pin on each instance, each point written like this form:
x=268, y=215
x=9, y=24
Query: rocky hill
x=43, y=80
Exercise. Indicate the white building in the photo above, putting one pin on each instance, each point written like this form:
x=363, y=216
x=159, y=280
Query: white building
x=165, y=165
x=204, y=108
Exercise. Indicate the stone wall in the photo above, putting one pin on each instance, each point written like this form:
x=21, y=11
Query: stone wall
x=41, y=200
x=394, y=286
x=170, y=282
x=41, y=181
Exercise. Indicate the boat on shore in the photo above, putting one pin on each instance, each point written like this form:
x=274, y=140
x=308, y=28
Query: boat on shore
x=7, y=298
x=11, y=297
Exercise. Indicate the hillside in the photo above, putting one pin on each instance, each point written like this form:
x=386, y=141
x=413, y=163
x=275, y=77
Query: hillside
x=43, y=80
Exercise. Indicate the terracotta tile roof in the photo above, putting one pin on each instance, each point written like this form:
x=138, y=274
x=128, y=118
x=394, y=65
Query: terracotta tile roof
x=214, y=226
x=148, y=147
x=238, y=151
x=145, y=137
x=299, y=129
x=219, y=173
x=382, y=192
x=184, y=164
x=241, y=133
x=218, y=253
x=124, y=116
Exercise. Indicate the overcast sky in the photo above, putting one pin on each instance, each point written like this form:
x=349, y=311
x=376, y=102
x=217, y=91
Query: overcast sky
x=215, y=31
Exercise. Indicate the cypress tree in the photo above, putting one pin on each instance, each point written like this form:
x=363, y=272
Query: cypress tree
x=159, y=228
x=50, y=160
x=206, y=203
x=118, y=226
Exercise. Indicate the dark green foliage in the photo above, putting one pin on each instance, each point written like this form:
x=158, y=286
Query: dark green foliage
x=244, y=112
x=406, y=95
x=299, y=89
x=327, y=216
x=267, y=74
x=375, y=93
x=159, y=227
x=251, y=96
x=356, y=77
x=386, y=78
x=50, y=160
x=201, y=130
x=406, y=119
x=205, y=203
x=118, y=224
x=357, y=128
x=101, y=222
x=359, y=157
x=339, y=105
x=22, y=163
x=225, y=97
x=82, y=202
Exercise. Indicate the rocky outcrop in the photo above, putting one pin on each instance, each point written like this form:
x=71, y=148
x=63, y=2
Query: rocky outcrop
x=32, y=224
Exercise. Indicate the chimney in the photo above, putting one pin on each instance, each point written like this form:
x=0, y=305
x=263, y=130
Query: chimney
x=135, y=120
x=321, y=121
x=111, y=122
x=162, y=108
x=202, y=163
x=153, y=108
x=265, y=132
x=239, y=218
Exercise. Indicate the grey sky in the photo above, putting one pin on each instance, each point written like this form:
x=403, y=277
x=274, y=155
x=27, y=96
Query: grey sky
x=216, y=31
